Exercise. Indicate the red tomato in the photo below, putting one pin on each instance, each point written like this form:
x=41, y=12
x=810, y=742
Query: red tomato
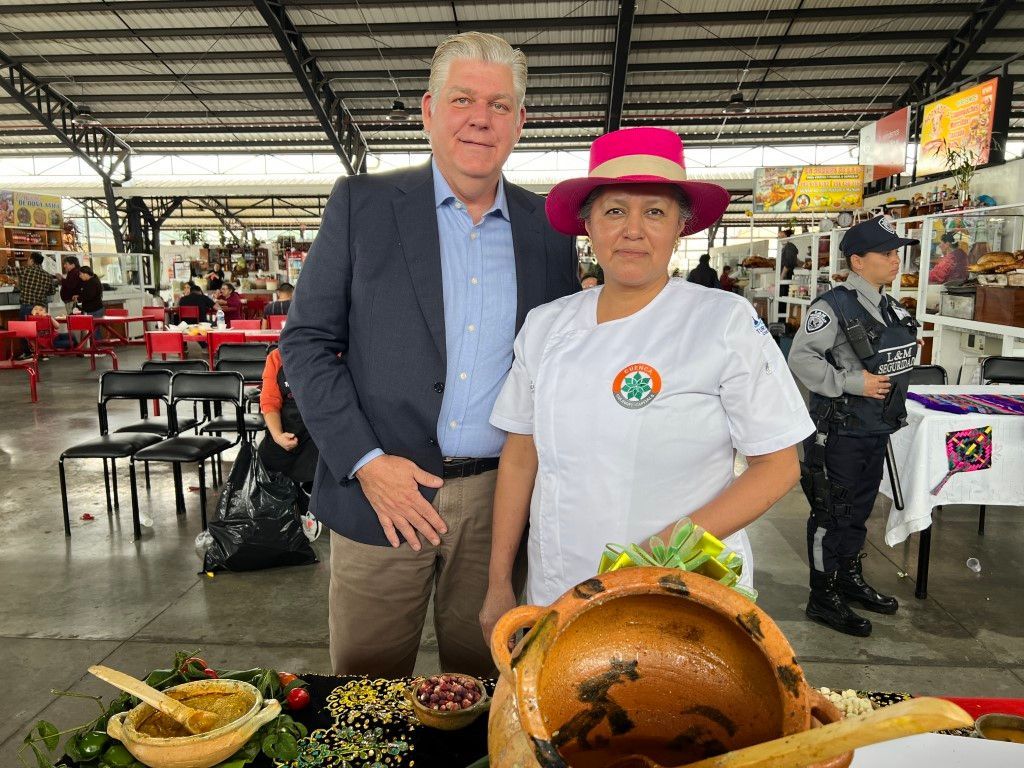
x=298, y=698
x=286, y=677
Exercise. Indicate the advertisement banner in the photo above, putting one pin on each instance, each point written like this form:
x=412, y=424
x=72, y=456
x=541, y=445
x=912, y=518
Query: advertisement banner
x=809, y=189
x=963, y=120
x=883, y=145
x=28, y=211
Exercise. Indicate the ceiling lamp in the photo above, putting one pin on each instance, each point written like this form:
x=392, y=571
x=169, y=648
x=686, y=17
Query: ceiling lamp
x=398, y=112
x=84, y=116
x=736, y=105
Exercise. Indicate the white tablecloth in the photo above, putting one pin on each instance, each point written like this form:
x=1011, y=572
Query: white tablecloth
x=920, y=450
x=935, y=751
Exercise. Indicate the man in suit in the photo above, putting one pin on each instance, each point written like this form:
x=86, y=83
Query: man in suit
x=398, y=340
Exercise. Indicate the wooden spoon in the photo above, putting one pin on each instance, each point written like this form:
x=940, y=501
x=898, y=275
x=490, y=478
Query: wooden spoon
x=195, y=720
x=819, y=744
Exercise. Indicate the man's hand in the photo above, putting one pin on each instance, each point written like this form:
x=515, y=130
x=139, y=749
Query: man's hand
x=500, y=599
x=391, y=485
x=286, y=440
x=876, y=387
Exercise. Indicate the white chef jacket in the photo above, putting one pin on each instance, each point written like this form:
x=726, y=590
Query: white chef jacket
x=637, y=421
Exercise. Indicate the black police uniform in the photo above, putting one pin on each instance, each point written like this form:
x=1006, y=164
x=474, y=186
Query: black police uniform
x=843, y=460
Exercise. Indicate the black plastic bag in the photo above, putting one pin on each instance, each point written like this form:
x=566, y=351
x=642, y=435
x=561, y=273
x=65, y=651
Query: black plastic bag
x=257, y=524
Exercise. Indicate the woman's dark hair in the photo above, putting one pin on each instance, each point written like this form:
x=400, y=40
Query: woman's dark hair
x=72, y=260
x=87, y=270
x=948, y=238
x=229, y=286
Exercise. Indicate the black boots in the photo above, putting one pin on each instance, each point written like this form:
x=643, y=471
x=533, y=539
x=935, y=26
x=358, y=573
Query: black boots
x=827, y=606
x=853, y=587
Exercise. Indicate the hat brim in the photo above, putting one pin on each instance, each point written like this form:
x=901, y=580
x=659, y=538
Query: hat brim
x=885, y=246
x=707, y=201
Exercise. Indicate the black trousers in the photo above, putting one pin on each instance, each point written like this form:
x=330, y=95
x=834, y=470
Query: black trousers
x=854, y=465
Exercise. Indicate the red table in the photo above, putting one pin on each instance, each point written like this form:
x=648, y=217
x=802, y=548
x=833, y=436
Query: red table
x=110, y=323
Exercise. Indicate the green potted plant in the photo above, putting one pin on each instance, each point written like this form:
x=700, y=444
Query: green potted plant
x=962, y=163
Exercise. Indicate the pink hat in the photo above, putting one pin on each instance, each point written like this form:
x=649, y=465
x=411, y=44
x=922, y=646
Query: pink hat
x=635, y=156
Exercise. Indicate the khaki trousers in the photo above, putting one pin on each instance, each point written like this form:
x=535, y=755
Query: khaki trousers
x=379, y=595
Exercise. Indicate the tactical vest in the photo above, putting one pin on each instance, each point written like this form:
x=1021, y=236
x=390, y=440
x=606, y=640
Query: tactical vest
x=886, y=350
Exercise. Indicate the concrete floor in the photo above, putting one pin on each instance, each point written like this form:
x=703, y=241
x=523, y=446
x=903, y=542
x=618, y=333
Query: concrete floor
x=101, y=597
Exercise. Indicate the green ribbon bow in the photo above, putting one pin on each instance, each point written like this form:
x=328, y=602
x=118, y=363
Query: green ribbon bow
x=690, y=548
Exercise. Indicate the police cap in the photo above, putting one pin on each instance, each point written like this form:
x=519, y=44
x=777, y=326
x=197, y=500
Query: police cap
x=877, y=234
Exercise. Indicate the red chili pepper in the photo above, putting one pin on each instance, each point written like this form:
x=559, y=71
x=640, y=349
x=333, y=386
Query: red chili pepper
x=210, y=673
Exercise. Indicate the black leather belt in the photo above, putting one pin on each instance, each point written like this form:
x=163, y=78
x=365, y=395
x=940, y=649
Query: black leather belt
x=460, y=467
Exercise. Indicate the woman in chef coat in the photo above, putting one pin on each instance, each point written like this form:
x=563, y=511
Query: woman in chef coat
x=626, y=404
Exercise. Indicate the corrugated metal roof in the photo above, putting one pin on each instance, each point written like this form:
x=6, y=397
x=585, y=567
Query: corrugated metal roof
x=239, y=93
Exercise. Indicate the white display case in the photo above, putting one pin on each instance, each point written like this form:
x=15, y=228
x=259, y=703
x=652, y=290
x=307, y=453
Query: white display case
x=963, y=333
x=807, y=283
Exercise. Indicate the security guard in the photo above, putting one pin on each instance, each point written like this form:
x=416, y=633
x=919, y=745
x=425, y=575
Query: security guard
x=854, y=353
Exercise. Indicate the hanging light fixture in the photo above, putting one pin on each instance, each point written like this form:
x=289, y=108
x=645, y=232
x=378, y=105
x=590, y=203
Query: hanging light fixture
x=84, y=116
x=398, y=112
x=736, y=105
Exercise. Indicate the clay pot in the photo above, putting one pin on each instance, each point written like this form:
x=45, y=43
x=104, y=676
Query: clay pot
x=650, y=661
x=201, y=750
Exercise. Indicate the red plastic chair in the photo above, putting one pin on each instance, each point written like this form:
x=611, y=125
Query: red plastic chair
x=86, y=324
x=165, y=343
x=215, y=338
x=29, y=331
x=115, y=312
x=28, y=366
x=153, y=315
x=254, y=307
x=189, y=312
x=245, y=325
x=276, y=321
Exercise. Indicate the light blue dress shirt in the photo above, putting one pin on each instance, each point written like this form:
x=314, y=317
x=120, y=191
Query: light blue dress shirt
x=478, y=274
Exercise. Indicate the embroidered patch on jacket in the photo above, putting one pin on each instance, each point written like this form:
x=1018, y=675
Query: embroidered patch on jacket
x=816, y=320
x=636, y=386
x=759, y=326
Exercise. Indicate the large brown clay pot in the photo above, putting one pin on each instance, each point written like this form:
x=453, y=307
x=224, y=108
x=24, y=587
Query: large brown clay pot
x=650, y=661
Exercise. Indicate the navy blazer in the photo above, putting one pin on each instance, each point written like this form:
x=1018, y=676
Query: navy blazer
x=364, y=345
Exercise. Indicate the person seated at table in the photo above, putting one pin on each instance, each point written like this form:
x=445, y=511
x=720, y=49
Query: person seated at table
x=196, y=298
x=90, y=295
x=280, y=306
x=50, y=338
x=215, y=278
x=287, y=446
x=230, y=302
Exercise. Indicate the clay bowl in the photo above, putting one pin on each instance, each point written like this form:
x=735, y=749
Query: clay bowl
x=999, y=727
x=201, y=750
x=650, y=661
x=448, y=721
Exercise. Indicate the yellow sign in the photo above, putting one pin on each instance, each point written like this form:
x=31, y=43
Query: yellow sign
x=960, y=121
x=809, y=189
x=28, y=211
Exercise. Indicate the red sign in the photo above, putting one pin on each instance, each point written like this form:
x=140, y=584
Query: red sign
x=883, y=145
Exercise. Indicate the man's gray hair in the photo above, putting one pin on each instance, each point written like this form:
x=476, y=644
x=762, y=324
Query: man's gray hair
x=685, y=211
x=478, y=46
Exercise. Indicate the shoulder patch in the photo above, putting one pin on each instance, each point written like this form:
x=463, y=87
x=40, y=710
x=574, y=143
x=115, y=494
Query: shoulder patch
x=759, y=326
x=816, y=320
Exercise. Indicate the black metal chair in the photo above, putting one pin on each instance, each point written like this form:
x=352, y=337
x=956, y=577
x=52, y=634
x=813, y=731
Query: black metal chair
x=223, y=387
x=928, y=374
x=246, y=351
x=252, y=373
x=1002, y=370
x=116, y=385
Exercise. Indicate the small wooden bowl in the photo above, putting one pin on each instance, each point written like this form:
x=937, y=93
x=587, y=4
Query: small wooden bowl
x=448, y=721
